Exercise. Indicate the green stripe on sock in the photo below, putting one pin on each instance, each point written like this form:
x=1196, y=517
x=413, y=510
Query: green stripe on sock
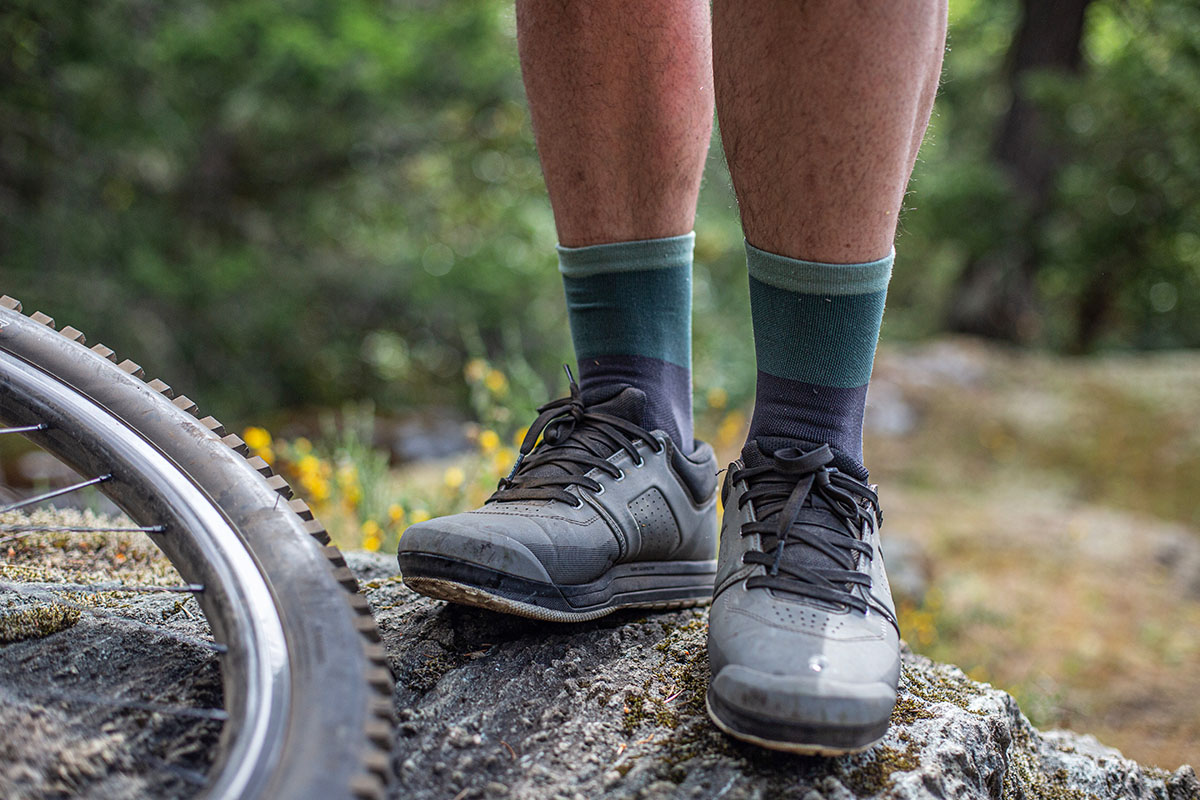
x=816, y=323
x=646, y=313
x=631, y=298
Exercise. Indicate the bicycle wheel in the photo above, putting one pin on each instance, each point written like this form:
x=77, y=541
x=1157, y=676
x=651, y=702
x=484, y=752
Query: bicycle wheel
x=306, y=685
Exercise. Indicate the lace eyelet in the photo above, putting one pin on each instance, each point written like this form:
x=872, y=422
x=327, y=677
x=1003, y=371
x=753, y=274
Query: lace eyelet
x=620, y=476
x=578, y=502
x=641, y=462
x=599, y=491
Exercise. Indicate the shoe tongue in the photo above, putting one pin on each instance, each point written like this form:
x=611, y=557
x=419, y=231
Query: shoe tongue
x=626, y=402
x=757, y=453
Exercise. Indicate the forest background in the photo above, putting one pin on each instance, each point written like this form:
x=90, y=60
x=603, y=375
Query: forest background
x=304, y=202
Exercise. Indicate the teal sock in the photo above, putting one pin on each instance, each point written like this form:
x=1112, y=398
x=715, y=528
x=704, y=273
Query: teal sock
x=816, y=327
x=630, y=309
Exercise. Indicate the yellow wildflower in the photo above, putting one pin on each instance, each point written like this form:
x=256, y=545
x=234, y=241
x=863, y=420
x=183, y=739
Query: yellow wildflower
x=454, y=478
x=503, y=460
x=717, y=397
x=256, y=438
x=309, y=465
x=318, y=487
x=475, y=369
x=396, y=513
x=302, y=446
x=488, y=441
x=731, y=428
x=372, y=543
x=420, y=515
x=519, y=437
x=347, y=475
x=495, y=381
x=370, y=528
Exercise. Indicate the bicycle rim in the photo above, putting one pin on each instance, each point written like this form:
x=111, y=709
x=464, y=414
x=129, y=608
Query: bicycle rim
x=305, y=680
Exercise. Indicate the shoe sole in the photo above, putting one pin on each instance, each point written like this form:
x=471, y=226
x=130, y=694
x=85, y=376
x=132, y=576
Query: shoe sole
x=660, y=585
x=800, y=739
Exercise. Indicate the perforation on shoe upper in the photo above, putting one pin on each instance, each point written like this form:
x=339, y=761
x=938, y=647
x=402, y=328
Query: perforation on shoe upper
x=660, y=534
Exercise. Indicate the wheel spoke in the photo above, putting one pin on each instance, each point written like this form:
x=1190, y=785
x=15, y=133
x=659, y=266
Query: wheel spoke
x=122, y=619
x=31, y=587
x=61, y=695
x=190, y=775
x=29, y=501
x=21, y=531
x=41, y=426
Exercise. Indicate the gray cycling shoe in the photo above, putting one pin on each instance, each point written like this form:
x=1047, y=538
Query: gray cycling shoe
x=599, y=515
x=803, y=641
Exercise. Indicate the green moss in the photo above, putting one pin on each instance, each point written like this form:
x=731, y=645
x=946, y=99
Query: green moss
x=875, y=775
x=35, y=621
x=634, y=713
x=1026, y=779
x=908, y=710
x=676, y=687
x=426, y=676
x=381, y=582
x=939, y=685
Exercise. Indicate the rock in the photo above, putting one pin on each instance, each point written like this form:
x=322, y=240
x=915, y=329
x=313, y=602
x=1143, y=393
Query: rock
x=502, y=706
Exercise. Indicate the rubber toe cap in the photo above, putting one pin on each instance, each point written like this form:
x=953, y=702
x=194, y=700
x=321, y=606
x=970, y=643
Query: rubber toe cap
x=803, y=700
x=468, y=543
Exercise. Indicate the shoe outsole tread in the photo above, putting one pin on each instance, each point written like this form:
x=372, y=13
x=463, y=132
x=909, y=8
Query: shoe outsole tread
x=454, y=592
x=807, y=744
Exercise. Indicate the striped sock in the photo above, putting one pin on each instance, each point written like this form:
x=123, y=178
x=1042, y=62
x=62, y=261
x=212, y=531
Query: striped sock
x=630, y=308
x=815, y=330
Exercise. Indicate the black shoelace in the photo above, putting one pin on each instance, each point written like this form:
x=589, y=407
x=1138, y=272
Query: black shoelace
x=800, y=501
x=575, y=439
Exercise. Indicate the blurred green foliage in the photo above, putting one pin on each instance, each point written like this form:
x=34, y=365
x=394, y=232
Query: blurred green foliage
x=299, y=203
x=1121, y=232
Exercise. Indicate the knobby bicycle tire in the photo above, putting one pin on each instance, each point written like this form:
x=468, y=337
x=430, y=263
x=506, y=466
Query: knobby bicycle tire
x=305, y=677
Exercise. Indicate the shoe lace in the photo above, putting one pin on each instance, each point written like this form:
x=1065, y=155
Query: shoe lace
x=801, y=501
x=575, y=439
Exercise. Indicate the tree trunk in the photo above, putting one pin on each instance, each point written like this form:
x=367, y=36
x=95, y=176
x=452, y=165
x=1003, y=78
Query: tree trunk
x=995, y=295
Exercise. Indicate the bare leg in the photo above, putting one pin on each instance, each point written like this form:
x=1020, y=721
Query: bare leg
x=621, y=97
x=823, y=105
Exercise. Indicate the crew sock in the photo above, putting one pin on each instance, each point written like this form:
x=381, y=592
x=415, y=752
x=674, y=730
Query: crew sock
x=630, y=309
x=815, y=331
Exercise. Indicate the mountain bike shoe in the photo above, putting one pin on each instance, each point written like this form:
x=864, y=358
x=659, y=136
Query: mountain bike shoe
x=803, y=642
x=598, y=514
